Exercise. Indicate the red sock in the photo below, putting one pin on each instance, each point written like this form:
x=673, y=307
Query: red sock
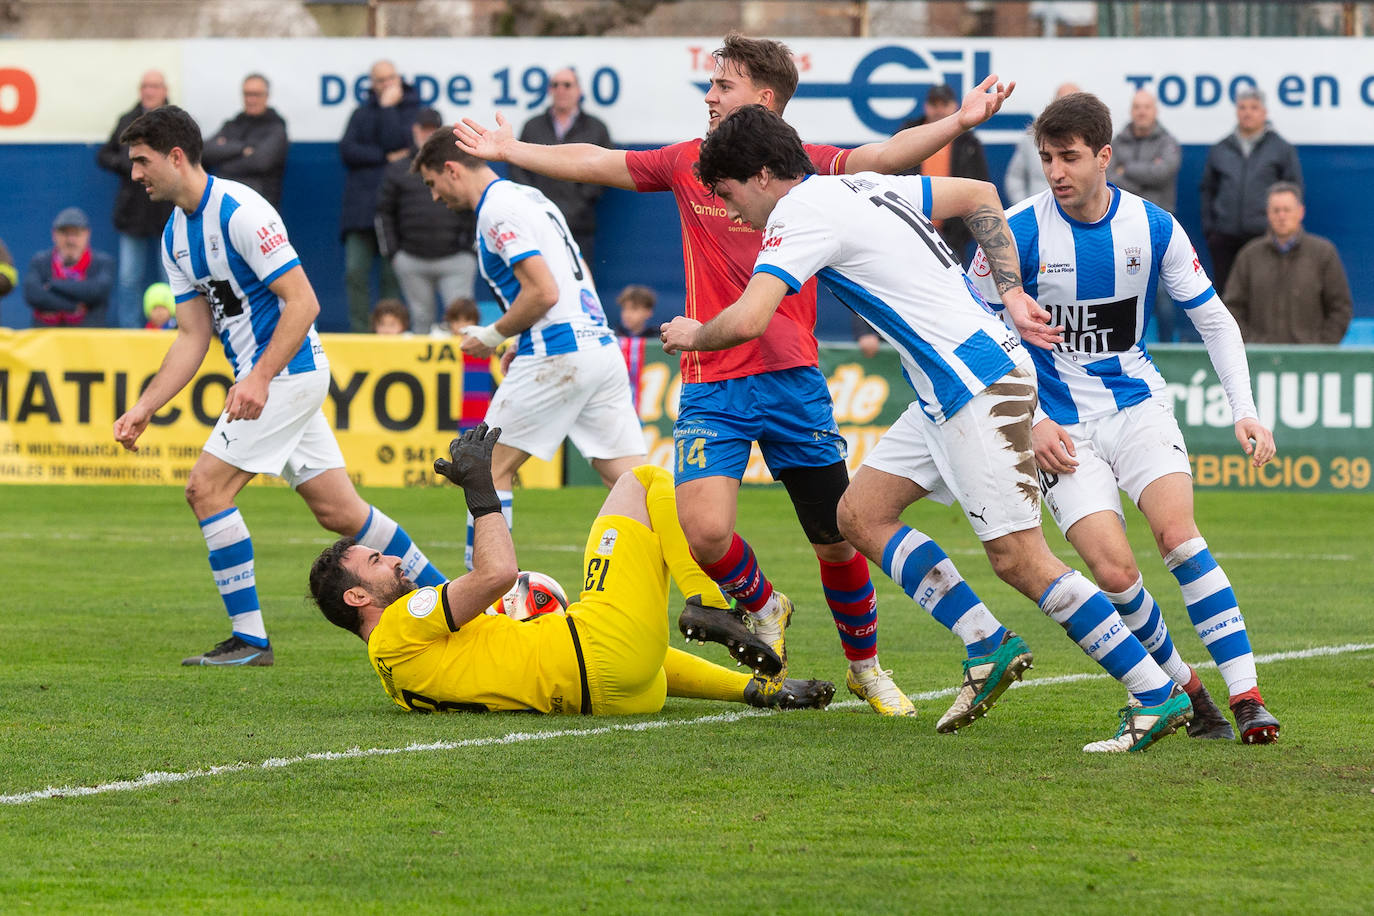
x=849, y=592
x=738, y=575
x=1251, y=694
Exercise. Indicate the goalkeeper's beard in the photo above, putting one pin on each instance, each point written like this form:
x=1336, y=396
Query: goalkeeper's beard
x=400, y=587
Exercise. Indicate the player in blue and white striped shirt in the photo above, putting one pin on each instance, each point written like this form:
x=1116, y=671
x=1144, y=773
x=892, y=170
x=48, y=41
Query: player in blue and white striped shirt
x=967, y=436
x=235, y=275
x=1094, y=256
x=566, y=378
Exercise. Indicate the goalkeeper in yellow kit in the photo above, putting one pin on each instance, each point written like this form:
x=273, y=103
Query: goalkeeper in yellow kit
x=435, y=648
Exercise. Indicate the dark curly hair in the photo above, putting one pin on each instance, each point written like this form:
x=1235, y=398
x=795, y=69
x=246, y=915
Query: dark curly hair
x=1079, y=114
x=164, y=129
x=329, y=579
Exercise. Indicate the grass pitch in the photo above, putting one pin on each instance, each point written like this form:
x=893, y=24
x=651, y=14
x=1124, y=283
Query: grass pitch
x=301, y=787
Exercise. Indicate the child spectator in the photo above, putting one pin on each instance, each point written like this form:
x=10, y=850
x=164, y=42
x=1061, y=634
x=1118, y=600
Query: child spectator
x=636, y=323
x=636, y=311
x=160, y=308
x=478, y=382
x=390, y=316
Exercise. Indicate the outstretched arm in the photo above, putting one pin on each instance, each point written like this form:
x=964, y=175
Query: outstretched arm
x=908, y=148
x=567, y=161
x=493, y=554
x=745, y=320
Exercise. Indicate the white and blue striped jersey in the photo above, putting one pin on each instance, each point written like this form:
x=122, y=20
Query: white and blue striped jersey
x=869, y=238
x=1099, y=281
x=515, y=222
x=230, y=250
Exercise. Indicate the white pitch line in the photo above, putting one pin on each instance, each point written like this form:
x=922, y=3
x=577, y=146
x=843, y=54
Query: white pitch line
x=154, y=779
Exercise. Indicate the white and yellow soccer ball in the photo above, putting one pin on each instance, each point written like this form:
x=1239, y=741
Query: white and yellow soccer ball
x=533, y=595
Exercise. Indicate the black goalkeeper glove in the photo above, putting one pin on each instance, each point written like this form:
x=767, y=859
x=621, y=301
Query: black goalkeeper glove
x=471, y=469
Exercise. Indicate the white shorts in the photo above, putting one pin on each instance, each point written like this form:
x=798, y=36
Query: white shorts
x=583, y=395
x=981, y=456
x=1128, y=450
x=291, y=439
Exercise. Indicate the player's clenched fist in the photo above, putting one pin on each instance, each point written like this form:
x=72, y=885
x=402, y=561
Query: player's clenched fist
x=679, y=334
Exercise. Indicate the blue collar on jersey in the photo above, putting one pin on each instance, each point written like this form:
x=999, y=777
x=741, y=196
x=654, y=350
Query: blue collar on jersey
x=481, y=199
x=204, y=198
x=1111, y=210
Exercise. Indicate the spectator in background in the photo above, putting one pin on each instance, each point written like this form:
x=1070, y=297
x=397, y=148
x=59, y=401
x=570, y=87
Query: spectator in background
x=69, y=284
x=390, y=316
x=868, y=340
x=1024, y=175
x=430, y=247
x=1288, y=286
x=635, y=327
x=962, y=158
x=138, y=218
x=250, y=147
x=9, y=278
x=1240, y=169
x=636, y=312
x=378, y=132
x=1145, y=161
x=160, y=308
x=478, y=383
x=564, y=121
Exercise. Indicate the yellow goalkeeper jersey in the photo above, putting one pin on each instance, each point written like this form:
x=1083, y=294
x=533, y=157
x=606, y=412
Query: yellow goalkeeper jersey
x=490, y=663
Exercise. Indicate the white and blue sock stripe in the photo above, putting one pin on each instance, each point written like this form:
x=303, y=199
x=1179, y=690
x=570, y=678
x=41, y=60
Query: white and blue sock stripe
x=1080, y=608
x=922, y=569
x=1215, y=613
x=507, y=512
x=1141, y=613
x=231, y=563
x=380, y=532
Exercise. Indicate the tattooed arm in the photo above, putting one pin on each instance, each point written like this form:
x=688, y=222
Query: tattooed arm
x=977, y=203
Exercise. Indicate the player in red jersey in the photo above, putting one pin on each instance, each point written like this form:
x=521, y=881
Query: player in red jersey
x=769, y=390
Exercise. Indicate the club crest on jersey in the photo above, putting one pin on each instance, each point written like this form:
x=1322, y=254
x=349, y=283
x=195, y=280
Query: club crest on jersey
x=214, y=244
x=607, y=544
x=422, y=602
x=1132, y=261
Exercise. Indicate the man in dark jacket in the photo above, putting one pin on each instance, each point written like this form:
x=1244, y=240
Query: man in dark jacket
x=962, y=158
x=564, y=121
x=378, y=132
x=68, y=284
x=1236, y=180
x=430, y=246
x=138, y=219
x=251, y=146
x=1145, y=161
x=1289, y=286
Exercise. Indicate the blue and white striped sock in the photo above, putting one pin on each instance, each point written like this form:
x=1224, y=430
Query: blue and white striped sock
x=927, y=575
x=380, y=532
x=231, y=562
x=1080, y=608
x=1138, y=608
x=507, y=512
x=1215, y=613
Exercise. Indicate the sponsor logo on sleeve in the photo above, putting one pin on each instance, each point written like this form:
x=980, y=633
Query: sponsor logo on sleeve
x=422, y=602
x=607, y=545
x=981, y=267
x=270, y=237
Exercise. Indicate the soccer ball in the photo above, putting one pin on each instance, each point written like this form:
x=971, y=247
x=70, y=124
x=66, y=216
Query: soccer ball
x=534, y=594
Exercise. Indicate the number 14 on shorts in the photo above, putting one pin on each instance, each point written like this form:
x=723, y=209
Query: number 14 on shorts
x=695, y=453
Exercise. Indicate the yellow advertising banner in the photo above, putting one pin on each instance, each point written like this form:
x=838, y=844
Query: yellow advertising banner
x=394, y=403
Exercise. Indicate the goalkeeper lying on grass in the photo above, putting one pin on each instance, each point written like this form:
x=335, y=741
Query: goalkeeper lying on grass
x=436, y=648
